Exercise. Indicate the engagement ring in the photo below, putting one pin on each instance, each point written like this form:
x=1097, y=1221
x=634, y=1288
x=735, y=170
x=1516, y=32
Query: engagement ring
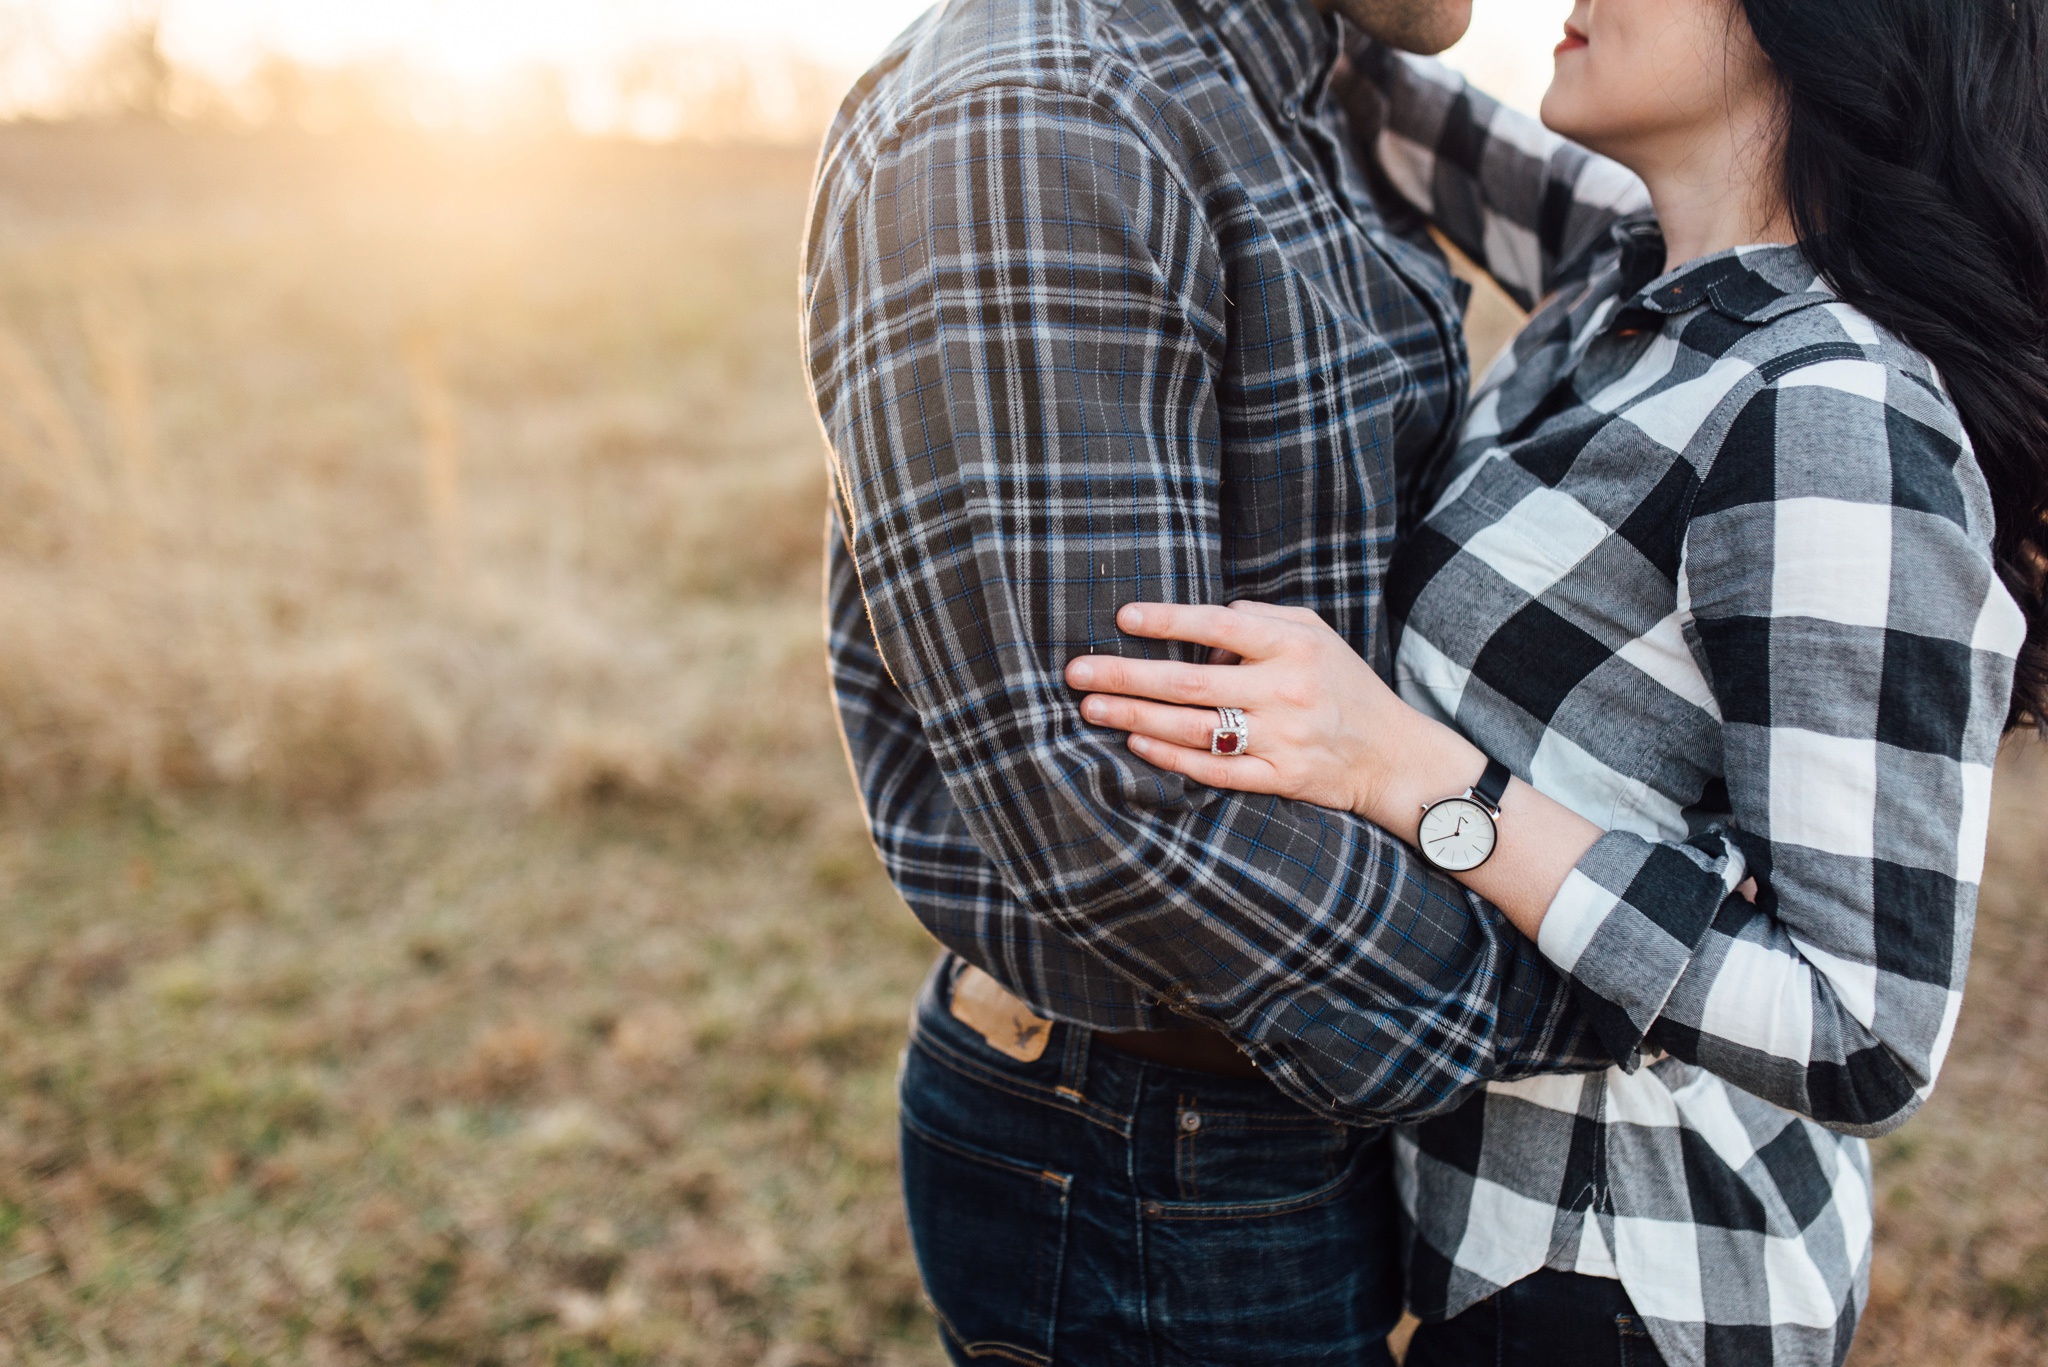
x=1232, y=737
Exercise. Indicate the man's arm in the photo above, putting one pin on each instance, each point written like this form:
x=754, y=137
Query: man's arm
x=1015, y=329
x=924, y=843
x=1522, y=202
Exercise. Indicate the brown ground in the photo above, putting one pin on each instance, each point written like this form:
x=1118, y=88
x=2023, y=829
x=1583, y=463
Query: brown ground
x=438, y=927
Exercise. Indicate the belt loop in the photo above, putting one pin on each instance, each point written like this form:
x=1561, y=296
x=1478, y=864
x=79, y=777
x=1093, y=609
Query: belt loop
x=1074, y=1058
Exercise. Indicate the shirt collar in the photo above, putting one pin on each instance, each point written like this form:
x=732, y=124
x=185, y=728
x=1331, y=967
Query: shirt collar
x=1748, y=284
x=1286, y=48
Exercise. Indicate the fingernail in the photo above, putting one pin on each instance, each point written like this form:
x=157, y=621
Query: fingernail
x=1131, y=618
x=1141, y=745
x=1080, y=673
x=1095, y=710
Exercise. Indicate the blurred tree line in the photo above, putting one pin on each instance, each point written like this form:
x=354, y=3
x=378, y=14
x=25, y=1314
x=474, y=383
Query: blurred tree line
x=704, y=91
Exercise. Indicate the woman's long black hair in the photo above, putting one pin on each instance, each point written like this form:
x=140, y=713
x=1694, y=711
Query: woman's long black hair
x=1916, y=172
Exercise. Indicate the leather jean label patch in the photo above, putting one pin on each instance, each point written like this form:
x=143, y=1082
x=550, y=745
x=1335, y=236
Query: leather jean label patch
x=986, y=1007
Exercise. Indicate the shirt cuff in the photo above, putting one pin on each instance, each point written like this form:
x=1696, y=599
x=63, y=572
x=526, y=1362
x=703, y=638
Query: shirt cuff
x=1628, y=920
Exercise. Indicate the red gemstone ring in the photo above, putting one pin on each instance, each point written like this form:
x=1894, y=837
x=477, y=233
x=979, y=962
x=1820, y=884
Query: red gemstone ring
x=1233, y=737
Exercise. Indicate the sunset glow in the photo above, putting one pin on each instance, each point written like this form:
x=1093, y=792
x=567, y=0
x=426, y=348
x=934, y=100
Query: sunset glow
x=473, y=48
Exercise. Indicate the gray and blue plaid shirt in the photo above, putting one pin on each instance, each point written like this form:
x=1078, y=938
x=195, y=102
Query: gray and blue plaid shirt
x=1100, y=307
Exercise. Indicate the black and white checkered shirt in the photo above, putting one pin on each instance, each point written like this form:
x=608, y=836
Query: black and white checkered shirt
x=1712, y=567
x=1100, y=307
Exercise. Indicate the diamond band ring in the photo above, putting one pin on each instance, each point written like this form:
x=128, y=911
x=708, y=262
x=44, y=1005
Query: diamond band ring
x=1233, y=737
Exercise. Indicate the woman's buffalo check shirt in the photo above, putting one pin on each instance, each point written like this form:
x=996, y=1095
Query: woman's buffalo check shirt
x=1712, y=567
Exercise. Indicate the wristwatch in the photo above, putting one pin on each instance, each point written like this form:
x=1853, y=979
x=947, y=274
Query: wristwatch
x=1459, y=833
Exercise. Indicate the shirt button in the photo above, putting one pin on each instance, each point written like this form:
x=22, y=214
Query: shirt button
x=1191, y=1121
x=1291, y=110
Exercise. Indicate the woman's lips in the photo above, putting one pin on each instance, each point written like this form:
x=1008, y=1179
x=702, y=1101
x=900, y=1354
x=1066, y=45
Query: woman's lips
x=1573, y=40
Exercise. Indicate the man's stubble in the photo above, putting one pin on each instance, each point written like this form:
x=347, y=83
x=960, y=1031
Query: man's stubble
x=1427, y=26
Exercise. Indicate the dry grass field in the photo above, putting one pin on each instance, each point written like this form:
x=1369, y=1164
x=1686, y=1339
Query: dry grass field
x=434, y=920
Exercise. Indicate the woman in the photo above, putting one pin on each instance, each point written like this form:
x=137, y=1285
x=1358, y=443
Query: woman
x=1738, y=569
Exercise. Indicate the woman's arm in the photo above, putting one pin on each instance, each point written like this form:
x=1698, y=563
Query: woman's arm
x=1325, y=729
x=1860, y=649
x=1522, y=202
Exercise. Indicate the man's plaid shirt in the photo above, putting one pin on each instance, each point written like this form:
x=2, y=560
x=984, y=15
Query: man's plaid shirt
x=1711, y=566
x=1100, y=307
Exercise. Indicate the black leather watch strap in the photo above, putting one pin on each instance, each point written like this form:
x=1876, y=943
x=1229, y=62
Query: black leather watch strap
x=1492, y=785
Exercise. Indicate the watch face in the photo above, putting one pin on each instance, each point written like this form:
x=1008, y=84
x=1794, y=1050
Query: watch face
x=1457, y=834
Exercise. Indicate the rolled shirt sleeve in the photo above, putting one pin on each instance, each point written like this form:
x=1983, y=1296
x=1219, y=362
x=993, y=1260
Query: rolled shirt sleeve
x=1860, y=648
x=1525, y=204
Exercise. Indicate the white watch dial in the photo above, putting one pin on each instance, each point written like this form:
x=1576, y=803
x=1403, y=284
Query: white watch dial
x=1457, y=835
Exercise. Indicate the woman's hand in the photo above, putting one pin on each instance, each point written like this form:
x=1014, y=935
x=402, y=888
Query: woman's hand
x=1324, y=728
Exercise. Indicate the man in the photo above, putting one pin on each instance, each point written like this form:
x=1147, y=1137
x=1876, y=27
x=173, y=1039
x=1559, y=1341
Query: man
x=1103, y=305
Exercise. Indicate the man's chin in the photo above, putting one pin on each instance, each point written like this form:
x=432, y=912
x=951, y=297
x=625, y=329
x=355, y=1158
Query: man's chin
x=1424, y=26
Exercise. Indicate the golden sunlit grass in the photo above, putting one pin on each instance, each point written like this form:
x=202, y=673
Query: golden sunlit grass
x=438, y=923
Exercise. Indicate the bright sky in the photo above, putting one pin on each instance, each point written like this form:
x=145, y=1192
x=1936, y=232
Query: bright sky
x=478, y=41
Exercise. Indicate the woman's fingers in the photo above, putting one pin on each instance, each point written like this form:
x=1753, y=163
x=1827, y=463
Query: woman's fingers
x=1244, y=773
x=1177, y=725
x=1177, y=738
x=1166, y=680
x=1274, y=611
x=1240, y=633
x=1285, y=620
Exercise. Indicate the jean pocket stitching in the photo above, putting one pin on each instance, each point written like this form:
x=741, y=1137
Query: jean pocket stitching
x=1239, y=1123
x=991, y=1348
x=1634, y=1340
x=1263, y=1120
x=949, y=1058
x=1261, y=1210
x=973, y=1153
x=965, y=1152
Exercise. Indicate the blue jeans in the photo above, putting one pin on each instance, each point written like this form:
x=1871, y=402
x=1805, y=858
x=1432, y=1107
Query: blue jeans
x=1548, y=1319
x=1096, y=1210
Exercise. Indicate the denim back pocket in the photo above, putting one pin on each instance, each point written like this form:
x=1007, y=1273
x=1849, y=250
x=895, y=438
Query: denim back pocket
x=990, y=1235
x=1227, y=1153
x=1312, y=1277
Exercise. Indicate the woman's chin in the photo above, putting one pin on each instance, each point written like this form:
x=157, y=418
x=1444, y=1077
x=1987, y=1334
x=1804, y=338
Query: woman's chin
x=1565, y=112
x=1556, y=112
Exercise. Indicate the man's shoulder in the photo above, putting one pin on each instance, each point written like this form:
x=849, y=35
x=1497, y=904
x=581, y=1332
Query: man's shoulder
x=1096, y=51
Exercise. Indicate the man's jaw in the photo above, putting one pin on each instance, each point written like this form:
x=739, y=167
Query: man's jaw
x=1425, y=26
